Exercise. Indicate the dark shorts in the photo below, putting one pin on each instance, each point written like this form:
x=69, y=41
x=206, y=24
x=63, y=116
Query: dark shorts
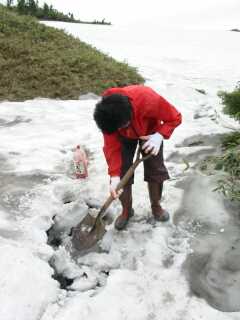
x=154, y=168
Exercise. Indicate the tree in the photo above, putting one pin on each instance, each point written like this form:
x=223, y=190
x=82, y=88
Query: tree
x=21, y=6
x=9, y=3
x=31, y=7
x=45, y=9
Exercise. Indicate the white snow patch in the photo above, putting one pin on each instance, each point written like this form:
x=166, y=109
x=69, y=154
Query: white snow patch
x=26, y=286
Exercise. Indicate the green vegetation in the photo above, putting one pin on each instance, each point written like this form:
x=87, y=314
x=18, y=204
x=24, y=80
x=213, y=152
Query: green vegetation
x=231, y=101
x=39, y=61
x=229, y=160
x=230, y=163
x=46, y=12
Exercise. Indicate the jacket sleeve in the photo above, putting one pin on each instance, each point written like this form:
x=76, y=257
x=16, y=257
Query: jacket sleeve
x=167, y=115
x=112, y=151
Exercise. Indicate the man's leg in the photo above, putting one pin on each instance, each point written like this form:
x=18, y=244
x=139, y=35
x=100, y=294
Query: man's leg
x=128, y=151
x=127, y=210
x=155, y=173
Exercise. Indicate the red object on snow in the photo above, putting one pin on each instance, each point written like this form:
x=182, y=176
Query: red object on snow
x=80, y=163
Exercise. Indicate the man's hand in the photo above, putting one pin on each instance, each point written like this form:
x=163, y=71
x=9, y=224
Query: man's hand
x=153, y=143
x=114, y=181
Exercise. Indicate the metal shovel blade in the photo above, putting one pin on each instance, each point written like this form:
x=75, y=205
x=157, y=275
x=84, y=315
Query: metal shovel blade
x=87, y=233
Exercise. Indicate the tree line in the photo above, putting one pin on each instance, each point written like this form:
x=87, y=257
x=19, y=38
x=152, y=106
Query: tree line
x=45, y=12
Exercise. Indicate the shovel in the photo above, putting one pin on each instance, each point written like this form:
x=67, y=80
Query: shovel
x=92, y=228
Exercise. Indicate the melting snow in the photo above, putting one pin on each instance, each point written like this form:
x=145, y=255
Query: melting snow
x=139, y=273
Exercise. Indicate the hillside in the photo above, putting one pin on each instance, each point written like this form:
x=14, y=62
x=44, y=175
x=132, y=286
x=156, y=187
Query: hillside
x=40, y=61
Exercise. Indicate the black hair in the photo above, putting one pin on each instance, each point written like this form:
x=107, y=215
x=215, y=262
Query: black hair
x=112, y=112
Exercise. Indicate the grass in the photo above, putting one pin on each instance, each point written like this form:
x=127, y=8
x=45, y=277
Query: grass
x=40, y=61
x=231, y=102
x=229, y=163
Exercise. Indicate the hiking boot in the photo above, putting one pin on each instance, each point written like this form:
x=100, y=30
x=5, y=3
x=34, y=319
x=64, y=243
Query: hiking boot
x=155, y=195
x=127, y=212
x=159, y=213
x=122, y=220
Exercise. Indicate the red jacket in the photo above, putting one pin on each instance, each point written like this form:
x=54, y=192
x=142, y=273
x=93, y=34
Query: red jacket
x=151, y=113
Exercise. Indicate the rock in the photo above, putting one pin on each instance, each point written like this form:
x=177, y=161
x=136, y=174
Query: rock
x=201, y=91
x=235, y=30
x=213, y=266
x=215, y=276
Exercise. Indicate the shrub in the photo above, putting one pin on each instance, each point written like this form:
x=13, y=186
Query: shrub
x=231, y=101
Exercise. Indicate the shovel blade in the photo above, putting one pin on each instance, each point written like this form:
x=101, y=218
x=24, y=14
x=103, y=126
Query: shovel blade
x=87, y=233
